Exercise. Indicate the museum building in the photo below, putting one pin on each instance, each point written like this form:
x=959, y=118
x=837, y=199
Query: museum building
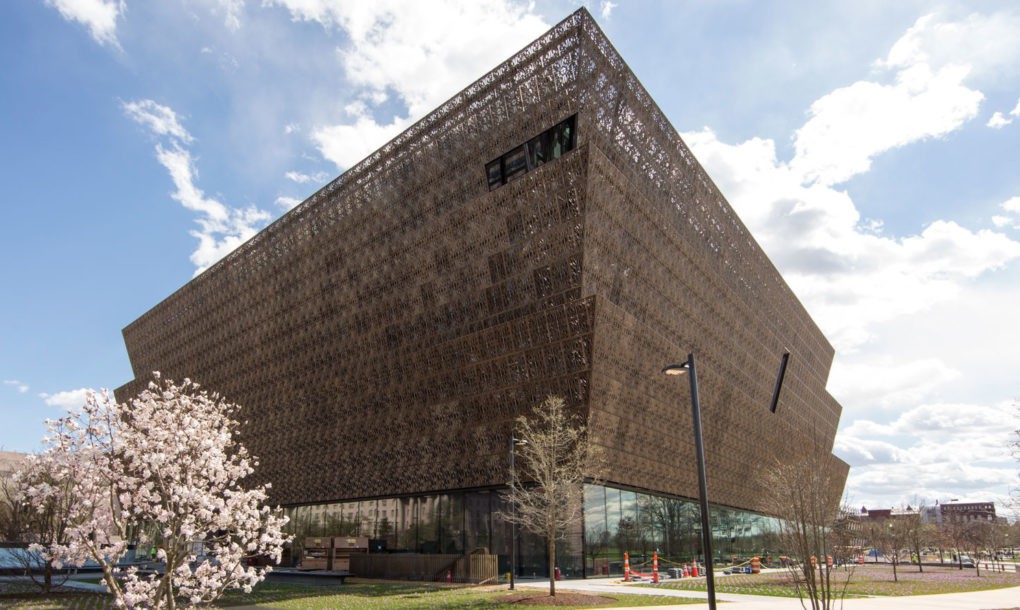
x=543, y=232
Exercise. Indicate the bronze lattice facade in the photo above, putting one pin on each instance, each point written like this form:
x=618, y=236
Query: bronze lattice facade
x=384, y=334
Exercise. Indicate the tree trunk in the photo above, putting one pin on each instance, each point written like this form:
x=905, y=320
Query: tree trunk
x=552, y=565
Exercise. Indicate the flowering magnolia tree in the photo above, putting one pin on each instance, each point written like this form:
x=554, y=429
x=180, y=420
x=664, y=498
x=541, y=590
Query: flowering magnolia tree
x=163, y=471
x=44, y=523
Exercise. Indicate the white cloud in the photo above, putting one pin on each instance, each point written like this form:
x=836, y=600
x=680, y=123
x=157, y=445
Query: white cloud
x=931, y=451
x=1016, y=110
x=346, y=144
x=221, y=228
x=287, y=203
x=1012, y=218
x=954, y=478
x=423, y=52
x=68, y=399
x=849, y=276
x=607, y=8
x=888, y=382
x=851, y=125
x=21, y=387
x=928, y=97
x=160, y=119
x=986, y=44
x=232, y=10
x=300, y=178
x=998, y=121
x=898, y=374
x=857, y=451
x=99, y=16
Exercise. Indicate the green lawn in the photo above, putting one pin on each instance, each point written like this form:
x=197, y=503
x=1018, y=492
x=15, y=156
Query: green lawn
x=400, y=596
x=354, y=596
x=866, y=580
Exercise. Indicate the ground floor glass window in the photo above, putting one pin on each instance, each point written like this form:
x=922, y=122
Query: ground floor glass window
x=614, y=521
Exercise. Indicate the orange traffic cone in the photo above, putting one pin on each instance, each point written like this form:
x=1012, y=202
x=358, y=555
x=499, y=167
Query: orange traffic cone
x=626, y=566
x=655, y=568
x=687, y=571
x=694, y=569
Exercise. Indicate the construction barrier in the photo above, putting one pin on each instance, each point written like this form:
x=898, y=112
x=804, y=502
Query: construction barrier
x=755, y=565
x=655, y=568
x=626, y=567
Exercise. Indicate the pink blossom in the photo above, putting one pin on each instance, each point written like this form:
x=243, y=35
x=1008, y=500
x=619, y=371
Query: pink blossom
x=167, y=457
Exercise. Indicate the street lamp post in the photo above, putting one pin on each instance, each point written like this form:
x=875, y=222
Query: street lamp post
x=699, y=449
x=513, y=510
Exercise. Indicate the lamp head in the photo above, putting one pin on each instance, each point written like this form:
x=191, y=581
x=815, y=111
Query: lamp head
x=675, y=369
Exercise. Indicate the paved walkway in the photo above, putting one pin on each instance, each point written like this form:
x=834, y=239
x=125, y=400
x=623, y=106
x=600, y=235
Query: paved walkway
x=995, y=599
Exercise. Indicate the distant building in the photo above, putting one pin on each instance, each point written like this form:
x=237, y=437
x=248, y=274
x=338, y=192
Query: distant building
x=875, y=514
x=544, y=232
x=878, y=515
x=964, y=512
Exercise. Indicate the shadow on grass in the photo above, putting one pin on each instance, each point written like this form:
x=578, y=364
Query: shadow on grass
x=269, y=592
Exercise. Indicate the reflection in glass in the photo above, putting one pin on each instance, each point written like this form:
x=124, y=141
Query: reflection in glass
x=614, y=521
x=548, y=145
x=515, y=163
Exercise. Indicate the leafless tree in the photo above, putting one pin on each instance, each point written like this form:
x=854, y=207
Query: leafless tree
x=891, y=538
x=979, y=535
x=676, y=519
x=805, y=493
x=547, y=486
x=847, y=536
x=1014, y=446
x=953, y=534
x=596, y=542
x=917, y=534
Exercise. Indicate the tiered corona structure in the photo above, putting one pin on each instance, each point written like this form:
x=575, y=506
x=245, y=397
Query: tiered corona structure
x=544, y=232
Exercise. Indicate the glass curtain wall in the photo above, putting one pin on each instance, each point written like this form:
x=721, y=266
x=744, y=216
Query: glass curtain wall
x=618, y=521
x=614, y=521
x=454, y=523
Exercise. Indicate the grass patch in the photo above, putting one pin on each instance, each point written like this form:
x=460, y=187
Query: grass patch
x=360, y=596
x=866, y=581
x=401, y=596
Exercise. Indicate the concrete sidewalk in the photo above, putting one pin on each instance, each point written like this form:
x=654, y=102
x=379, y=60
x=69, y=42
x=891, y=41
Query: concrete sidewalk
x=994, y=599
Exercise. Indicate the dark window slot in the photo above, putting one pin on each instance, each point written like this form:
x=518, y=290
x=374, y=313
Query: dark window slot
x=549, y=145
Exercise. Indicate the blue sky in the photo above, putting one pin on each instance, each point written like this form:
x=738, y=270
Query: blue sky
x=871, y=147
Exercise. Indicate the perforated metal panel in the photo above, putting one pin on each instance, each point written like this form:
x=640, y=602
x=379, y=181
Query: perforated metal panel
x=383, y=335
